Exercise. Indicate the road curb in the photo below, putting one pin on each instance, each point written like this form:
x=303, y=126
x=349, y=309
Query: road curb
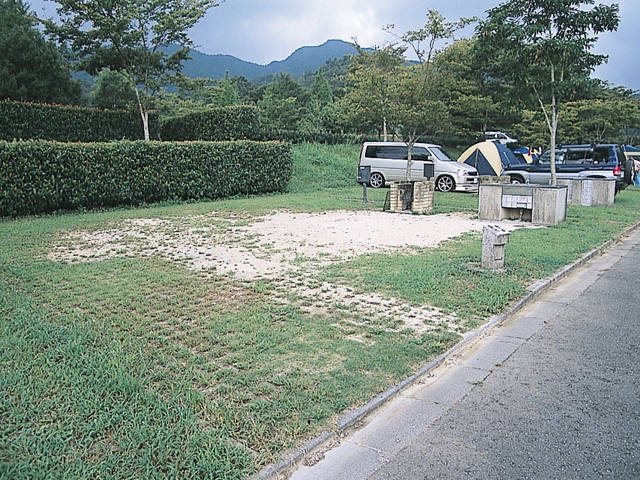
x=351, y=418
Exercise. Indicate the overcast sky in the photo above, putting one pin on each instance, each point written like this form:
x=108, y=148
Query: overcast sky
x=261, y=31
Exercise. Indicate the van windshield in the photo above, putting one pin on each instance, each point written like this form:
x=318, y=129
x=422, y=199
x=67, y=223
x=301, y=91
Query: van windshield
x=441, y=154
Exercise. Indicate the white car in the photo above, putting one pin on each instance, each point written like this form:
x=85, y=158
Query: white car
x=384, y=162
x=501, y=137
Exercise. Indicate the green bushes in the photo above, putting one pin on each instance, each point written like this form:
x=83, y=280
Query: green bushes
x=39, y=176
x=238, y=122
x=20, y=120
x=44, y=176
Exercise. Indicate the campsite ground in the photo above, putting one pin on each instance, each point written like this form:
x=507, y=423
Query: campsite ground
x=133, y=349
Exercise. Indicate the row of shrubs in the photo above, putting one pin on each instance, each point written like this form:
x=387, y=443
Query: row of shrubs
x=20, y=120
x=237, y=122
x=39, y=176
x=28, y=121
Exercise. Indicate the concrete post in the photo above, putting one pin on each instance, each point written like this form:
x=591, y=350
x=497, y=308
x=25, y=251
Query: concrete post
x=494, y=238
x=490, y=201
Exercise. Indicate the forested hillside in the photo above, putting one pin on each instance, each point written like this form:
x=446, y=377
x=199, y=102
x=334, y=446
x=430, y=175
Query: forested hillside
x=303, y=60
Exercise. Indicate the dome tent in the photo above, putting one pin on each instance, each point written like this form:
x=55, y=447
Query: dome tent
x=631, y=151
x=490, y=157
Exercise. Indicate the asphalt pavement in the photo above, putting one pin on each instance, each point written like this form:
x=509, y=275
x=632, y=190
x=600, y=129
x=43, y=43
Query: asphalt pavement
x=553, y=391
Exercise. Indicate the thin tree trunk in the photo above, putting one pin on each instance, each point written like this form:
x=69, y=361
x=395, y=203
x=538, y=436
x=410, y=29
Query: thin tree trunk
x=409, y=159
x=144, y=115
x=554, y=133
x=554, y=126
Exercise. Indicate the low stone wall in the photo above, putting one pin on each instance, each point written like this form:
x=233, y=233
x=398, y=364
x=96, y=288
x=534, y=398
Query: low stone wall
x=589, y=192
x=545, y=205
x=416, y=197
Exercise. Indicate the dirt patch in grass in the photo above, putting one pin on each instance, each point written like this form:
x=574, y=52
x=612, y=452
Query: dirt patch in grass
x=287, y=249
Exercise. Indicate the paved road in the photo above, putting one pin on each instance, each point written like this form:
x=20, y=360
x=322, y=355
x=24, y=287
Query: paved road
x=552, y=393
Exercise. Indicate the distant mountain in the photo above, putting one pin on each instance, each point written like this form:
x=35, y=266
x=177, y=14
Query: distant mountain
x=303, y=60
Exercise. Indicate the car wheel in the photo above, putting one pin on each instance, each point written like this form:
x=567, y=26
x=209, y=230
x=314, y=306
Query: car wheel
x=376, y=180
x=445, y=183
x=517, y=179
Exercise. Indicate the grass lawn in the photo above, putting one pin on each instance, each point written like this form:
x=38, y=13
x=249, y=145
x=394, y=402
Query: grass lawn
x=138, y=367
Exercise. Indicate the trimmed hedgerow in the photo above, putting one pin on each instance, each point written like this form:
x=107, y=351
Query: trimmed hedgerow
x=238, y=122
x=28, y=121
x=40, y=177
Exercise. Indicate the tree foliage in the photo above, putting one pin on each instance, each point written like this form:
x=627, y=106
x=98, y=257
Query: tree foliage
x=541, y=50
x=112, y=90
x=418, y=94
x=528, y=64
x=144, y=40
x=471, y=103
x=284, y=103
x=368, y=100
x=31, y=68
x=319, y=111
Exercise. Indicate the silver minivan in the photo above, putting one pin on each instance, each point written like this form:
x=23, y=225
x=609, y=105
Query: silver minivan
x=382, y=163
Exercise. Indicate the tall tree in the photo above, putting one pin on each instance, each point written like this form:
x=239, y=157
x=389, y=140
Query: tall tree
x=420, y=109
x=144, y=40
x=473, y=111
x=541, y=49
x=319, y=108
x=31, y=68
x=228, y=91
x=283, y=104
x=112, y=90
x=368, y=100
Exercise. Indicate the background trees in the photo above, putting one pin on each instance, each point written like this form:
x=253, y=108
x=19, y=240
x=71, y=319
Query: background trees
x=283, y=104
x=146, y=41
x=541, y=51
x=319, y=113
x=112, y=90
x=420, y=108
x=31, y=68
x=450, y=92
x=367, y=104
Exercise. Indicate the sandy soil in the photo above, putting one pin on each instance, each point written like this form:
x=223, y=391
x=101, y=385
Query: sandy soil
x=283, y=247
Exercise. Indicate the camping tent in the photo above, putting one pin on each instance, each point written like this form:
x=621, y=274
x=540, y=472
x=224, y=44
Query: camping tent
x=631, y=151
x=490, y=157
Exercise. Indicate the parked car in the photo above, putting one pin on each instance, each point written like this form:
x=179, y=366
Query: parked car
x=501, y=137
x=579, y=161
x=386, y=162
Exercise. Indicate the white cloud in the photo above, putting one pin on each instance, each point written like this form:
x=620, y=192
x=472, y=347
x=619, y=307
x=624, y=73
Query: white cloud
x=262, y=32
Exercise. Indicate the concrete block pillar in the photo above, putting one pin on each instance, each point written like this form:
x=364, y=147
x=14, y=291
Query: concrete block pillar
x=423, y=197
x=494, y=239
x=490, y=201
x=401, y=196
x=549, y=205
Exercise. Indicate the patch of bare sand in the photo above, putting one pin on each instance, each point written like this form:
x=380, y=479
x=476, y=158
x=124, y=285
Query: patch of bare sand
x=286, y=248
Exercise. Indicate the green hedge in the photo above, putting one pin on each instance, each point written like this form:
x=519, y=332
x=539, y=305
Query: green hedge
x=238, y=122
x=39, y=176
x=19, y=120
